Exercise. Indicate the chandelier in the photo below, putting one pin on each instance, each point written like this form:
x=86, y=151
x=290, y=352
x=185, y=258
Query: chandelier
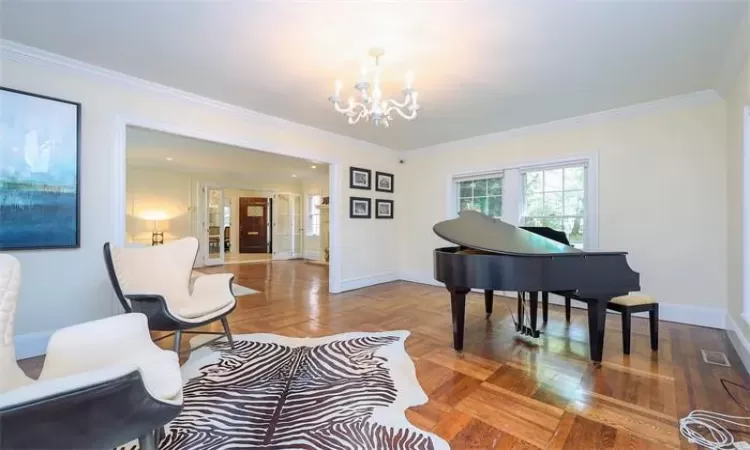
x=371, y=106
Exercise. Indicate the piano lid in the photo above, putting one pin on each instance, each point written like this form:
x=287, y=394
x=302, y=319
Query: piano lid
x=475, y=230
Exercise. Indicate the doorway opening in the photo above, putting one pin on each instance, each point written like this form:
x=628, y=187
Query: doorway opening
x=244, y=206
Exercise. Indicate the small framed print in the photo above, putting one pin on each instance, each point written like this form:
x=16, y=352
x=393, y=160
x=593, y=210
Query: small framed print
x=359, y=208
x=360, y=178
x=383, y=209
x=383, y=182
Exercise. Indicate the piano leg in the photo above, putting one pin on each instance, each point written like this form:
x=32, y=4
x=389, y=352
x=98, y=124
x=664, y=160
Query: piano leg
x=567, y=309
x=488, y=299
x=458, y=311
x=545, y=306
x=533, y=306
x=597, y=317
x=521, y=320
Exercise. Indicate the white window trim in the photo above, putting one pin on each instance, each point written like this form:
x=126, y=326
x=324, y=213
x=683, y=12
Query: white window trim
x=310, y=212
x=745, y=154
x=513, y=196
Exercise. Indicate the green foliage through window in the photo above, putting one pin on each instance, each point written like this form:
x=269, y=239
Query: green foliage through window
x=556, y=198
x=485, y=195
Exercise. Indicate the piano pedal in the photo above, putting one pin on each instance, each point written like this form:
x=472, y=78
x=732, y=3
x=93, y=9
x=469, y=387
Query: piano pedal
x=528, y=331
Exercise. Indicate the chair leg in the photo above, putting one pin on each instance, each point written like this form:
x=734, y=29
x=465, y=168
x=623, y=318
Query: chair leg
x=225, y=323
x=653, y=322
x=147, y=442
x=567, y=309
x=177, y=341
x=161, y=433
x=626, y=332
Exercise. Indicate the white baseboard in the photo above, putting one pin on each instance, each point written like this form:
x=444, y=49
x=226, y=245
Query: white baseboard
x=358, y=283
x=32, y=344
x=692, y=315
x=739, y=341
x=419, y=278
x=312, y=254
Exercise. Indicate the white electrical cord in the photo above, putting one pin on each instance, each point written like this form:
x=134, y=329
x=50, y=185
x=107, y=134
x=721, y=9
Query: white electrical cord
x=720, y=438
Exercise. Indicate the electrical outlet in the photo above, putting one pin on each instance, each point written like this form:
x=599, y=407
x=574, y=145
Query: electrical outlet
x=742, y=445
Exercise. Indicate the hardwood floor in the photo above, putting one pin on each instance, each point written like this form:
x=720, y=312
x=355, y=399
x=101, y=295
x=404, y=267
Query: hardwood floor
x=505, y=392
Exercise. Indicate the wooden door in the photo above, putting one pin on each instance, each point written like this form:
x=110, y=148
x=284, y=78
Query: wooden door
x=253, y=216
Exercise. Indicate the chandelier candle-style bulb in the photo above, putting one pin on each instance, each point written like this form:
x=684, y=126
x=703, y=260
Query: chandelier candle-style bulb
x=373, y=107
x=409, y=79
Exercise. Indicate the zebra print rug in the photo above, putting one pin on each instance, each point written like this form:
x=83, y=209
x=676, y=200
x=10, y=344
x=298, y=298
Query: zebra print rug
x=347, y=391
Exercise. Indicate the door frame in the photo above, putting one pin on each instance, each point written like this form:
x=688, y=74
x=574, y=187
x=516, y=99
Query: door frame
x=267, y=193
x=269, y=218
x=300, y=248
x=119, y=167
x=203, y=238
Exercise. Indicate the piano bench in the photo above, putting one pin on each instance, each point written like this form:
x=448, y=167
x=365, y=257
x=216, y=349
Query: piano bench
x=626, y=305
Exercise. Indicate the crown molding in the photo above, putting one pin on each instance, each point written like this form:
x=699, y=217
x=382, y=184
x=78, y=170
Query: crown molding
x=31, y=55
x=684, y=100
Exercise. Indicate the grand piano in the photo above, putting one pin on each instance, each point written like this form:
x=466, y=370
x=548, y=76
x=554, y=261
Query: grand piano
x=493, y=255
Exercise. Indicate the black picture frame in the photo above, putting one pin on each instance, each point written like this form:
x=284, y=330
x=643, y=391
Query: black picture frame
x=389, y=177
x=352, y=203
x=75, y=238
x=354, y=184
x=379, y=202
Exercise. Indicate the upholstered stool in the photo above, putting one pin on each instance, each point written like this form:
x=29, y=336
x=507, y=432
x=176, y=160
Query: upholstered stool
x=635, y=303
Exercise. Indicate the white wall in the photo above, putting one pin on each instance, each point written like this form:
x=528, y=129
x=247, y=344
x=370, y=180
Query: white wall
x=158, y=190
x=64, y=287
x=661, y=191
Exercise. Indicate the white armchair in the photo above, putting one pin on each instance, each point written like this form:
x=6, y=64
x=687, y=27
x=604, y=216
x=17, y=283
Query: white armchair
x=103, y=384
x=156, y=282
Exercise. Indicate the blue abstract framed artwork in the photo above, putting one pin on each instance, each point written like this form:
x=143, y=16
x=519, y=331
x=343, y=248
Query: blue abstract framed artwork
x=39, y=171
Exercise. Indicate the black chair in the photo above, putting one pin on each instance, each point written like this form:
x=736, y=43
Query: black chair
x=103, y=384
x=156, y=281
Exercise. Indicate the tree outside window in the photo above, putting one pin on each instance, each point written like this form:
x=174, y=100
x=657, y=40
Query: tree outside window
x=556, y=198
x=481, y=195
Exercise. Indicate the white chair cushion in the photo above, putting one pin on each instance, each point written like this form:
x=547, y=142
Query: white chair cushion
x=114, y=341
x=166, y=270
x=11, y=376
x=203, y=307
x=161, y=374
x=633, y=299
x=161, y=269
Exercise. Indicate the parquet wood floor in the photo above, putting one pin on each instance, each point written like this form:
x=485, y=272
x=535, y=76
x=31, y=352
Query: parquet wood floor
x=506, y=392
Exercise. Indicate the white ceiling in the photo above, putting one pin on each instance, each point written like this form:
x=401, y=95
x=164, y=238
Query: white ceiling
x=480, y=66
x=148, y=148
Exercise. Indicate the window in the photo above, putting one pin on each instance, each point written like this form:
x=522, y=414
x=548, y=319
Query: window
x=556, y=198
x=227, y=215
x=313, y=214
x=484, y=195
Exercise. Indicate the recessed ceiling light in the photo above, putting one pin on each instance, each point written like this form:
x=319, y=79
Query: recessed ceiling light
x=294, y=176
x=312, y=167
x=168, y=158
